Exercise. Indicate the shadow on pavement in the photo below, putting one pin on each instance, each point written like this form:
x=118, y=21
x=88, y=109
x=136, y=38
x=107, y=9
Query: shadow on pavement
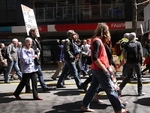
x=5, y=99
x=68, y=92
x=74, y=107
x=143, y=101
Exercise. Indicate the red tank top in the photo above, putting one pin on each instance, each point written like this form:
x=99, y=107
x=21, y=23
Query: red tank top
x=102, y=55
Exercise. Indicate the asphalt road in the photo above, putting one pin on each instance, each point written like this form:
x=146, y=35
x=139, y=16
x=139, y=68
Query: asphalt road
x=68, y=100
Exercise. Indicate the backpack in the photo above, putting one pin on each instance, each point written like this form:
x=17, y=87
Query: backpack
x=4, y=52
x=132, y=50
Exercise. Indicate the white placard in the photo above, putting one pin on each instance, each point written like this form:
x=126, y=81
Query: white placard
x=29, y=19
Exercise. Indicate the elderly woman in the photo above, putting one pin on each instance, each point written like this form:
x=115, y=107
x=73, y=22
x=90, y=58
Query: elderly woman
x=28, y=68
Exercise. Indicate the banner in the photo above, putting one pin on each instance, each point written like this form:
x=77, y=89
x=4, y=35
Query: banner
x=29, y=19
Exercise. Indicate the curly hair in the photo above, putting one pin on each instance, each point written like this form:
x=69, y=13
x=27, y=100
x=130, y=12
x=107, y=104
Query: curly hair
x=102, y=31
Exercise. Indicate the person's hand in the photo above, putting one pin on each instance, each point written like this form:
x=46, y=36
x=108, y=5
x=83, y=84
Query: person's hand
x=35, y=56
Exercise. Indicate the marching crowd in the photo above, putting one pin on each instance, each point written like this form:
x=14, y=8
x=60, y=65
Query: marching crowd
x=91, y=57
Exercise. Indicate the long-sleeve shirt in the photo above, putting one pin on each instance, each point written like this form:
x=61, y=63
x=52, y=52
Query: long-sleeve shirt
x=12, y=52
x=27, y=60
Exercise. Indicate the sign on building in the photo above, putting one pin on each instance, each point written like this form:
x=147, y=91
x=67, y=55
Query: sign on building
x=29, y=19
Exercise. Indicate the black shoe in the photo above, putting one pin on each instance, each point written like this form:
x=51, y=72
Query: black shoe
x=49, y=88
x=61, y=86
x=141, y=94
x=7, y=82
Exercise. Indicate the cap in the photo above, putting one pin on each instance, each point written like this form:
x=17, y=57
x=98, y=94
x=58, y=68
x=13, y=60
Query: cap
x=132, y=36
x=70, y=32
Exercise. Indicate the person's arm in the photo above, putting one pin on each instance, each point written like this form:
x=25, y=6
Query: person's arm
x=67, y=49
x=9, y=48
x=96, y=49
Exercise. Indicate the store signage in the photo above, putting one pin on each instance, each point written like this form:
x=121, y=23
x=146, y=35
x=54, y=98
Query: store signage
x=29, y=19
x=65, y=27
x=116, y=25
x=112, y=26
x=43, y=28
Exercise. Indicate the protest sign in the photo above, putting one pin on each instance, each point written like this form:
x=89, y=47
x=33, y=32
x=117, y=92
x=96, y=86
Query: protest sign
x=29, y=19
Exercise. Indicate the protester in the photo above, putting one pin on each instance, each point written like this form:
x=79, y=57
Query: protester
x=101, y=72
x=134, y=53
x=60, y=59
x=29, y=69
x=70, y=60
x=3, y=62
x=12, y=60
x=37, y=49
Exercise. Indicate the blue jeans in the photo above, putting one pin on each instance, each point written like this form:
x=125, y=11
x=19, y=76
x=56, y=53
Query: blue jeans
x=69, y=66
x=84, y=65
x=103, y=79
x=12, y=64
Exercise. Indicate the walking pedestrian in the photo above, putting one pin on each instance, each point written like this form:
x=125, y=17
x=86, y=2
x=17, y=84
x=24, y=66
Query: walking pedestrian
x=37, y=49
x=134, y=54
x=70, y=60
x=29, y=70
x=12, y=60
x=101, y=72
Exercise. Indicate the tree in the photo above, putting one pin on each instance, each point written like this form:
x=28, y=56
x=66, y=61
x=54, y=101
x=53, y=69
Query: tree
x=134, y=19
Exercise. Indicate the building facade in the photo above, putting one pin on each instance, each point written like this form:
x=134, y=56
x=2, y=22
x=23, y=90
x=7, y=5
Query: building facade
x=55, y=17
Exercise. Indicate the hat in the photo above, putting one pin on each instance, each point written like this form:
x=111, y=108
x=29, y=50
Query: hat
x=71, y=32
x=132, y=36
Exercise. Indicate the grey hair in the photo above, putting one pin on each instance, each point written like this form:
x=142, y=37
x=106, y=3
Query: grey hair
x=28, y=39
x=15, y=40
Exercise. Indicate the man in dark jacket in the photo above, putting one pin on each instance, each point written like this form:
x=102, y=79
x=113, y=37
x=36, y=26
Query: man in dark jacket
x=133, y=62
x=69, y=57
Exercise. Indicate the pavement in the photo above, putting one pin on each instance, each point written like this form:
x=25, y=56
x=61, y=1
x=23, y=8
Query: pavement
x=68, y=100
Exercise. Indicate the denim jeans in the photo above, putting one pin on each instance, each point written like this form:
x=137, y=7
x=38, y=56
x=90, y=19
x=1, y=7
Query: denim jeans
x=69, y=66
x=103, y=79
x=12, y=64
x=84, y=65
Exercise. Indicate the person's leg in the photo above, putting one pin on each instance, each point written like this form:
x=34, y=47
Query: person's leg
x=34, y=84
x=74, y=72
x=62, y=76
x=21, y=84
x=139, y=76
x=84, y=85
x=41, y=78
x=90, y=94
x=18, y=72
x=58, y=70
x=107, y=85
x=126, y=80
x=28, y=89
x=9, y=68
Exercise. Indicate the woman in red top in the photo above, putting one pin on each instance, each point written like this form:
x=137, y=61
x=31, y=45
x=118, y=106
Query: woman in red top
x=101, y=73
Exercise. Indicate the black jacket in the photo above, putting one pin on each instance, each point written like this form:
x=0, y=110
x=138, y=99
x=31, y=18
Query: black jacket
x=69, y=52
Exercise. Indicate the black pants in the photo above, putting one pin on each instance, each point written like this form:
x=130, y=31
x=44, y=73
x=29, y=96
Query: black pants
x=137, y=68
x=25, y=78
